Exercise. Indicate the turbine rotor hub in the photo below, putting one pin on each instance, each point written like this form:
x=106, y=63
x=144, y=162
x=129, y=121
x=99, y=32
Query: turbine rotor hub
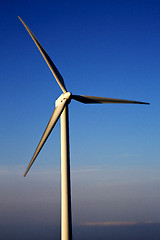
x=62, y=97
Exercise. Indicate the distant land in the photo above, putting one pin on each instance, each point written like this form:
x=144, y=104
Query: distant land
x=40, y=232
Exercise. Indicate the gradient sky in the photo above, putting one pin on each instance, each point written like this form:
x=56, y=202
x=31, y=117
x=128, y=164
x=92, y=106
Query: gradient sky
x=102, y=48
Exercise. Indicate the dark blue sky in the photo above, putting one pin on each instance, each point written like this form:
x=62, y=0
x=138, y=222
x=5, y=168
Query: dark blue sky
x=102, y=48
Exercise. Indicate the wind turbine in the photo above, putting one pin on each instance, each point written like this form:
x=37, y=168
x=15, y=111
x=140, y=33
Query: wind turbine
x=61, y=109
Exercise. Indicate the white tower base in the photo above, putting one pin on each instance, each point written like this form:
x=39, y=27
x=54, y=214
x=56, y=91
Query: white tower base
x=66, y=218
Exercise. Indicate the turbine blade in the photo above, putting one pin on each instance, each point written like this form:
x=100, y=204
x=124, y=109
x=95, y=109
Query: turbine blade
x=54, y=118
x=51, y=65
x=92, y=99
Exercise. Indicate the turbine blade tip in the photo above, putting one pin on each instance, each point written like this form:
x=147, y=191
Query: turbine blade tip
x=25, y=174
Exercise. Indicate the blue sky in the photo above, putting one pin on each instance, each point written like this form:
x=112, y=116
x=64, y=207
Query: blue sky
x=101, y=48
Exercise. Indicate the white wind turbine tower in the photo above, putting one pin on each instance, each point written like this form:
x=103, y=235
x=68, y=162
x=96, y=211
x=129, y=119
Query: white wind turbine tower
x=61, y=109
